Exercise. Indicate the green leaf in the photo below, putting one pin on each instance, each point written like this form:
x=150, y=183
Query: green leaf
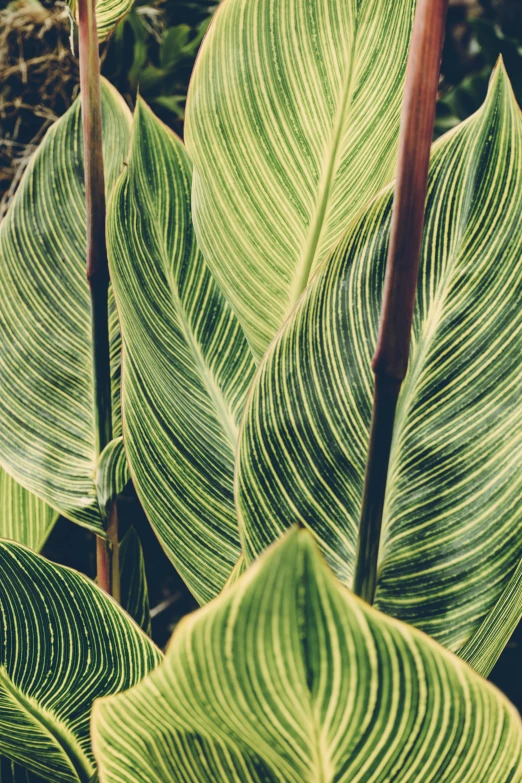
x=292, y=123
x=23, y=517
x=140, y=46
x=173, y=45
x=64, y=642
x=186, y=364
x=173, y=103
x=112, y=475
x=289, y=677
x=151, y=78
x=134, y=590
x=452, y=526
x=47, y=429
x=108, y=14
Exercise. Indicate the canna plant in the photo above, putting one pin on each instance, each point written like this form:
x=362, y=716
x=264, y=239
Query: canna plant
x=226, y=369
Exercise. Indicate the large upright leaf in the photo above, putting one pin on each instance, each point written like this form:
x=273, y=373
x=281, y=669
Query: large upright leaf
x=46, y=391
x=289, y=678
x=186, y=364
x=23, y=517
x=63, y=642
x=452, y=528
x=292, y=125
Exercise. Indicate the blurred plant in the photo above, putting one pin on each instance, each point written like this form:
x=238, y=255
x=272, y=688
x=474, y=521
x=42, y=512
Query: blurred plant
x=153, y=50
x=38, y=82
x=477, y=34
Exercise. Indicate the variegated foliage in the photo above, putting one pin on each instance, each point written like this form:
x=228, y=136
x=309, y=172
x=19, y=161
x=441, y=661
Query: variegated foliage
x=288, y=678
x=186, y=364
x=23, y=517
x=108, y=14
x=63, y=642
x=452, y=528
x=292, y=125
x=47, y=433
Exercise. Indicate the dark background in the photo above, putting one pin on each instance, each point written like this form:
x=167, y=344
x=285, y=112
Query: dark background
x=155, y=48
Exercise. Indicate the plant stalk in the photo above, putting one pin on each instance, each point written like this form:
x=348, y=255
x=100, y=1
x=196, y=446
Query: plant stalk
x=390, y=362
x=97, y=269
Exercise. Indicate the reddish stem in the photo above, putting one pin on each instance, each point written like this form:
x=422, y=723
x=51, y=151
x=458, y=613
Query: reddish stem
x=390, y=362
x=107, y=557
x=97, y=267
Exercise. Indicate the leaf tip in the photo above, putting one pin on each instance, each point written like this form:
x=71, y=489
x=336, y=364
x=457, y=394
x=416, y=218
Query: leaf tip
x=500, y=89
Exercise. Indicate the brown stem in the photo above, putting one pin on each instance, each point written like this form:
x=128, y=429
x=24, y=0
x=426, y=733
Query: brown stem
x=97, y=268
x=390, y=362
x=107, y=557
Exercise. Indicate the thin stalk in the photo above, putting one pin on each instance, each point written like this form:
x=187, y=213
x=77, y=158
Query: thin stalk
x=108, y=565
x=97, y=269
x=390, y=362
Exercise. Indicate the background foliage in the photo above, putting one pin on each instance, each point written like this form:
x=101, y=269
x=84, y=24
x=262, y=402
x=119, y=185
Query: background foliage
x=154, y=49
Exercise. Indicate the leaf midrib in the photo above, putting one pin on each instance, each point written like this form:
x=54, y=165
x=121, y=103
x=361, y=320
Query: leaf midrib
x=308, y=257
x=212, y=387
x=68, y=744
x=228, y=424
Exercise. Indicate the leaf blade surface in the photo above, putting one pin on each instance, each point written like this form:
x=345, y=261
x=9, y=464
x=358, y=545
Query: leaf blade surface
x=288, y=677
x=47, y=402
x=186, y=363
x=451, y=536
x=64, y=642
x=292, y=123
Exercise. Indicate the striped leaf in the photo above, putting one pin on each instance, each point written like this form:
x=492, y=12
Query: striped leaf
x=23, y=517
x=452, y=527
x=112, y=475
x=292, y=125
x=63, y=643
x=186, y=365
x=134, y=589
x=46, y=406
x=108, y=14
x=288, y=677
